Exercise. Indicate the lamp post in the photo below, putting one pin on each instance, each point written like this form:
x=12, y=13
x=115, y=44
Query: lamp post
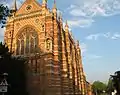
x=4, y=84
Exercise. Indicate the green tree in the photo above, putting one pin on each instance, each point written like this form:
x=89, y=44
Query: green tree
x=110, y=87
x=116, y=81
x=4, y=13
x=98, y=88
x=16, y=69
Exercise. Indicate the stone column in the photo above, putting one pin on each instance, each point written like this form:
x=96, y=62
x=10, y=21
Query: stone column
x=75, y=72
x=69, y=60
x=82, y=78
x=57, y=63
x=64, y=69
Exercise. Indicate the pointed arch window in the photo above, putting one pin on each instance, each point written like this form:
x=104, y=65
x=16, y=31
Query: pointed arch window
x=22, y=46
x=18, y=47
x=27, y=41
x=27, y=44
x=48, y=44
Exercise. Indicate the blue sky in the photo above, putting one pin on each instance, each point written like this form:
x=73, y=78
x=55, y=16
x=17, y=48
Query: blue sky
x=95, y=23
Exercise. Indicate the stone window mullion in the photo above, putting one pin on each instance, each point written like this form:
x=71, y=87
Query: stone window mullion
x=20, y=47
x=25, y=45
x=29, y=44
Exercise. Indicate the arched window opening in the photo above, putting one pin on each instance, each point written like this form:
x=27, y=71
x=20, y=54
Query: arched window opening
x=18, y=47
x=32, y=45
x=36, y=42
x=27, y=41
x=48, y=44
x=27, y=44
x=22, y=47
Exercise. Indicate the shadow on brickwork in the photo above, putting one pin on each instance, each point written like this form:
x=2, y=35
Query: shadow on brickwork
x=15, y=67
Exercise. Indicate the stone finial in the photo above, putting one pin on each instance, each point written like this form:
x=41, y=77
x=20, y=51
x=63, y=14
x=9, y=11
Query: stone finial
x=54, y=6
x=54, y=9
x=44, y=1
x=77, y=43
x=59, y=16
x=66, y=25
x=14, y=5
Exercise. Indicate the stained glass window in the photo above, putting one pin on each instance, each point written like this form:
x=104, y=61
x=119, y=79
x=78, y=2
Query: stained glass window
x=32, y=45
x=18, y=47
x=22, y=46
x=27, y=41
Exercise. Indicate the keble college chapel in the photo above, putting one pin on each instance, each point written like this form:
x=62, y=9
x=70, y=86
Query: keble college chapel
x=54, y=58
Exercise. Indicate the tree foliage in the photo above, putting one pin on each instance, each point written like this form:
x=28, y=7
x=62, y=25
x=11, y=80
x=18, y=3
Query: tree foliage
x=110, y=87
x=15, y=67
x=116, y=81
x=98, y=87
x=4, y=13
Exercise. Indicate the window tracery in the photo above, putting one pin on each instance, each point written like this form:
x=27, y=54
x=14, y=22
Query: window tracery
x=27, y=41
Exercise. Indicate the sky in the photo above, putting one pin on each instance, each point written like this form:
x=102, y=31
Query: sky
x=96, y=24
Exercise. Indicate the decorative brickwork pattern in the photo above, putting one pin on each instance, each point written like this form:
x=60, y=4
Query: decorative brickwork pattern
x=55, y=63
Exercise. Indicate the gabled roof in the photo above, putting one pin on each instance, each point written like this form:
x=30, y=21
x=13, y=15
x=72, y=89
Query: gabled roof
x=29, y=6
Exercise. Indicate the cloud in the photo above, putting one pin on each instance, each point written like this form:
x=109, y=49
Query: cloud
x=83, y=47
x=92, y=56
x=115, y=36
x=80, y=23
x=89, y=9
x=92, y=8
x=85, y=54
x=70, y=7
x=108, y=35
x=93, y=37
